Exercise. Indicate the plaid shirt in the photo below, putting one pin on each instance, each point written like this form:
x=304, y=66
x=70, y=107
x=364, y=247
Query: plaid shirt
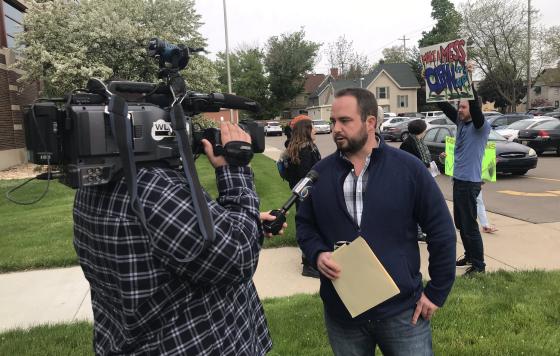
x=354, y=188
x=158, y=293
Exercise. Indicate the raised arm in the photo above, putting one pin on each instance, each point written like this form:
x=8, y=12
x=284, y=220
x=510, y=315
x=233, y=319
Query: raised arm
x=476, y=111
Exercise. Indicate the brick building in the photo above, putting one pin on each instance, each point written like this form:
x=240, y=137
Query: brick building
x=13, y=96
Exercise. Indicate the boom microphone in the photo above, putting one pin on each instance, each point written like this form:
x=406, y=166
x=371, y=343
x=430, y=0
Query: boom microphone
x=214, y=101
x=300, y=191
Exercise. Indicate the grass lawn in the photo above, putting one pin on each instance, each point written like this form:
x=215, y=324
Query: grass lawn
x=40, y=235
x=500, y=313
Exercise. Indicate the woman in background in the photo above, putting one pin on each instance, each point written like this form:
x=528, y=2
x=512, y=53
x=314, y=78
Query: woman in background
x=414, y=144
x=302, y=154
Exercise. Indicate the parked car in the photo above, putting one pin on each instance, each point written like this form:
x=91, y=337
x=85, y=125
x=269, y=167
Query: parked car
x=321, y=126
x=273, y=128
x=438, y=120
x=416, y=115
x=398, y=131
x=512, y=130
x=541, y=110
x=393, y=121
x=511, y=157
x=389, y=114
x=554, y=114
x=542, y=137
x=488, y=114
x=432, y=113
x=501, y=121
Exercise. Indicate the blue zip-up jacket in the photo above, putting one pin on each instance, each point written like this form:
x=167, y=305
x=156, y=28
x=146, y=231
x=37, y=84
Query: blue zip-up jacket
x=400, y=194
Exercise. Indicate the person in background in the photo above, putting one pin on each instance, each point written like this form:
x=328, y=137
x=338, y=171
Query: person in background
x=415, y=145
x=302, y=155
x=471, y=139
x=482, y=218
x=288, y=133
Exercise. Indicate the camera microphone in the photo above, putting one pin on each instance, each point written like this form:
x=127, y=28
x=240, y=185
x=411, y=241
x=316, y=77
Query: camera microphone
x=300, y=191
x=215, y=101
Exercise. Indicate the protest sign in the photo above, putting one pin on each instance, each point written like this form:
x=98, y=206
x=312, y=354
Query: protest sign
x=445, y=71
x=488, y=160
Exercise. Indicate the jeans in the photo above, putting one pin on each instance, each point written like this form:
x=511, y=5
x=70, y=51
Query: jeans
x=464, y=214
x=481, y=211
x=394, y=336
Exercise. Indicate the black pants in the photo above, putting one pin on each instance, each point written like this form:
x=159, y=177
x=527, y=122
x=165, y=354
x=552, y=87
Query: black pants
x=464, y=213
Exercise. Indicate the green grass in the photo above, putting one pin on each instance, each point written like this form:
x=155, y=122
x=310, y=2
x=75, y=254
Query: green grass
x=500, y=313
x=40, y=235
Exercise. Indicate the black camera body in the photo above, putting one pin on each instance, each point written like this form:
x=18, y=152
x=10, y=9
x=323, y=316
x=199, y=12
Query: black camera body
x=79, y=135
x=76, y=135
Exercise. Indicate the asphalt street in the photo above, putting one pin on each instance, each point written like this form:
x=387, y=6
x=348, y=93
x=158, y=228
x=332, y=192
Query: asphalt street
x=534, y=197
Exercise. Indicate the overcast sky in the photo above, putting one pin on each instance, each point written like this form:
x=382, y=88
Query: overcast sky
x=371, y=25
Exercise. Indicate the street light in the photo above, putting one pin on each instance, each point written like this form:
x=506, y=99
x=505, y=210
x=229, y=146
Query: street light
x=227, y=59
x=361, y=80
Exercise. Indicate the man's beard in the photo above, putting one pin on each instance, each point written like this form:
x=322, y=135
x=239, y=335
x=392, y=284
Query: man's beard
x=352, y=145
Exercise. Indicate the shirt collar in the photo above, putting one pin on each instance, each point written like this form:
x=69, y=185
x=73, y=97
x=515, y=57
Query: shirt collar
x=374, y=153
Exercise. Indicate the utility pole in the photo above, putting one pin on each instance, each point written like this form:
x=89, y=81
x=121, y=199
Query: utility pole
x=404, y=39
x=227, y=61
x=528, y=103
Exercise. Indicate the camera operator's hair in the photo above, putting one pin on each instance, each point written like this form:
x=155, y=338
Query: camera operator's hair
x=367, y=104
x=301, y=137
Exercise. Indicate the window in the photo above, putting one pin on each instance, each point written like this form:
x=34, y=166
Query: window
x=402, y=101
x=442, y=134
x=12, y=23
x=382, y=92
x=438, y=122
x=431, y=135
x=499, y=122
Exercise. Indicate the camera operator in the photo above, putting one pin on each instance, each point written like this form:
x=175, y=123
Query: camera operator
x=159, y=292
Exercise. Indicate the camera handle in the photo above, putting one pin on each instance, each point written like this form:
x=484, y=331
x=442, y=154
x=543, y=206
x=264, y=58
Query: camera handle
x=205, y=221
x=120, y=125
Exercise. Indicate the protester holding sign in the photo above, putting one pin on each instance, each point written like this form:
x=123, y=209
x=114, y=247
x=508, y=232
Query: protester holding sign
x=472, y=136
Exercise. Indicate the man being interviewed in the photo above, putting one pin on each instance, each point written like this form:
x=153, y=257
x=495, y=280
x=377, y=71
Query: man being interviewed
x=351, y=200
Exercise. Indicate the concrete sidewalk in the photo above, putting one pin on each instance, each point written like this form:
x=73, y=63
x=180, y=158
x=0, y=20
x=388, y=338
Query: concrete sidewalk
x=62, y=295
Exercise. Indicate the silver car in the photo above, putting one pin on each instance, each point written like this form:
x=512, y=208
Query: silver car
x=321, y=126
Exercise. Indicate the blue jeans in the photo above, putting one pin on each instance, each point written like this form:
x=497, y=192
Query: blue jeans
x=464, y=214
x=394, y=336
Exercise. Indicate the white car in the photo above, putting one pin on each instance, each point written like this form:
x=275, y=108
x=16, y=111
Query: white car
x=389, y=114
x=273, y=128
x=438, y=120
x=432, y=113
x=512, y=131
x=321, y=126
x=393, y=121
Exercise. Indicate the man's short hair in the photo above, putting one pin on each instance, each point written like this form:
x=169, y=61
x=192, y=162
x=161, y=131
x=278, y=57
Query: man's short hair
x=367, y=104
x=416, y=127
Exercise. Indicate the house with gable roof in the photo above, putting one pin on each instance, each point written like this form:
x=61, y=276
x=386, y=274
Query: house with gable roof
x=394, y=85
x=547, y=86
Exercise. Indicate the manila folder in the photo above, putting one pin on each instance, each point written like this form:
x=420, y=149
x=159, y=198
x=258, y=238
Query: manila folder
x=363, y=282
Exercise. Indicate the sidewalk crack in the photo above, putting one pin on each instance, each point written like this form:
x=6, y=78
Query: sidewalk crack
x=81, y=304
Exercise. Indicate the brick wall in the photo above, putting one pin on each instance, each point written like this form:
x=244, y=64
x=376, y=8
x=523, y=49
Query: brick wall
x=13, y=97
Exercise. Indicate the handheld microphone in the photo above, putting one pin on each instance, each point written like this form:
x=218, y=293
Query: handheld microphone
x=300, y=191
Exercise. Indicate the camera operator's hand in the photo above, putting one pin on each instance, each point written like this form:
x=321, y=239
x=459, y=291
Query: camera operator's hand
x=229, y=132
x=266, y=216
